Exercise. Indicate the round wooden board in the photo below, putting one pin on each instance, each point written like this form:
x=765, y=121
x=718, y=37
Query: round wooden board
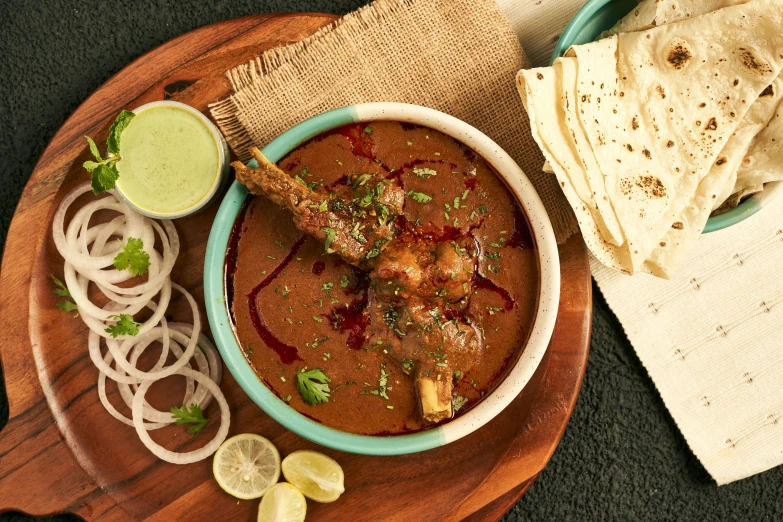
x=62, y=452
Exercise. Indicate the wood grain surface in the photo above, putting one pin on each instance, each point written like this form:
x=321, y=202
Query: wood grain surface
x=62, y=452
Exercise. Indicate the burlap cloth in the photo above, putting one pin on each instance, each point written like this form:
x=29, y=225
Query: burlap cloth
x=456, y=56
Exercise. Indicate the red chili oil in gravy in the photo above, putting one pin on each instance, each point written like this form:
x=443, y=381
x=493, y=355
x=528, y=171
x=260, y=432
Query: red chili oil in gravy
x=295, y=306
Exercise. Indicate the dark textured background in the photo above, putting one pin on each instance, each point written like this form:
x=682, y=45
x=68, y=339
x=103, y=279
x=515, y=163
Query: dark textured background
x=622, y=457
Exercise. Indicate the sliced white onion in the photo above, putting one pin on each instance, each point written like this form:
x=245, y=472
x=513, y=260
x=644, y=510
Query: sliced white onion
x=191, y=456
x=89, y=253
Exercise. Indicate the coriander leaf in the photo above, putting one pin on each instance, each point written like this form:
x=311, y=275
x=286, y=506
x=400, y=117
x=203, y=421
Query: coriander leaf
x=94, y=149
x=368, y=130
x=68, y=306
x=361, y=180
x=104, y=177
x=424, y=173
x=125, y=326
x=344, y=282
x=419, y=197
x=193, y=416
x=133, y=257
x=330, y=233
x=459, y=402
x=313, y=385
x=122, y=121
x=61, y=290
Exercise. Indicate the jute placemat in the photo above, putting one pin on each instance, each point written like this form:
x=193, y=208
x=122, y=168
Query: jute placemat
x=456, y=56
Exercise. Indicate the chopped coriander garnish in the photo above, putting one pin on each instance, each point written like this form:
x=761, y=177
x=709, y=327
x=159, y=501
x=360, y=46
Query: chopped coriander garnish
x=424, y=173
x=125, y=325
x=495, y=269
x=483, y=209
x=68, y=306
x=344, y=282
x=61, y=290
x=459, y=402
x=287, y=398
x=317, y=319
x=330, y=233
x=194, y=416
x=457, y=375
x=368, y=130
x=132, y=257
x=492, y=255
x=361, y=180
x=419, y=197
x=313, y=386
x=327, y=286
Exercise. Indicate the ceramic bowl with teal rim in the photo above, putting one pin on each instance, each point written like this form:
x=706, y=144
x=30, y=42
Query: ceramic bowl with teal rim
x=597, y=16
x=492, y=404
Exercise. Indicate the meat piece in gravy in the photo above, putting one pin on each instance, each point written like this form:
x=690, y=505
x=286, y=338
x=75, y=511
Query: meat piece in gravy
x=419, y=288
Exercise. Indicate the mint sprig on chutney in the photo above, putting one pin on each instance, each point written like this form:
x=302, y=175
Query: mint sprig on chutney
x=104, y=170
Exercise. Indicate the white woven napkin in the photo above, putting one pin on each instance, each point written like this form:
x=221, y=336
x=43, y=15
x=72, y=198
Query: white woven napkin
x=712, y=337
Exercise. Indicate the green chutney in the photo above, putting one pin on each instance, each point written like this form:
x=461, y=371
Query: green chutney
x=170, y=160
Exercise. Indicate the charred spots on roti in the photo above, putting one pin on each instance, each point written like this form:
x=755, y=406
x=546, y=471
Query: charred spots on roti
x=629, y=147
x=677, y=225
x=720, y=161
x=702, y=105
x=647, y=154
x=539, y=76
x=650, y=186
x=753, y=62
x=661, y=91
x=769, y=91
x=634, y=123
x=712, y=124
x=669, y=144
x=679, y=55
x=736, y=82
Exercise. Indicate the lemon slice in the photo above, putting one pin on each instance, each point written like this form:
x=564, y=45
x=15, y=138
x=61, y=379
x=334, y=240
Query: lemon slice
x=282, y=503
x=246, y=466
x=317, y=476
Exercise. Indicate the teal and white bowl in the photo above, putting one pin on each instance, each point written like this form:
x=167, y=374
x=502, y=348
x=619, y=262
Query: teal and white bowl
x=595, y=17
x=492, y=404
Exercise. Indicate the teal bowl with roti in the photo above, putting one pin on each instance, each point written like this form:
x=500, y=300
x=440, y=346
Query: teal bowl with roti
x=597, y=16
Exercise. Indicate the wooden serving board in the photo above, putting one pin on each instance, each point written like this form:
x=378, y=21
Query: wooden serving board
x=62, y=452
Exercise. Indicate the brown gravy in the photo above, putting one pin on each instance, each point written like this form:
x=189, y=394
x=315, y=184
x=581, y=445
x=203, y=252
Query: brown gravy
x=295, y=306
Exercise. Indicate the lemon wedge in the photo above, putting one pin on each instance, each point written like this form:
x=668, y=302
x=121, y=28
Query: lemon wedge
x=317, y=476
x=282, y=503
x=246, y=466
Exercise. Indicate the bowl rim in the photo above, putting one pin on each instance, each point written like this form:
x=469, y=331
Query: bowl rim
x=741, y=212
x=489, y=406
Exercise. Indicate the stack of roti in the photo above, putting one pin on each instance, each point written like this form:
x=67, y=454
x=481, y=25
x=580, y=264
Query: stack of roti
x=676, y=113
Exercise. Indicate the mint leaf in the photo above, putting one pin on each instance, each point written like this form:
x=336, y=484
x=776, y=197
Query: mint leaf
x=133, y=257
x=94, y=149
x=91, y=165
x=125, y=326
x=122, y=121
x=104, y=177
